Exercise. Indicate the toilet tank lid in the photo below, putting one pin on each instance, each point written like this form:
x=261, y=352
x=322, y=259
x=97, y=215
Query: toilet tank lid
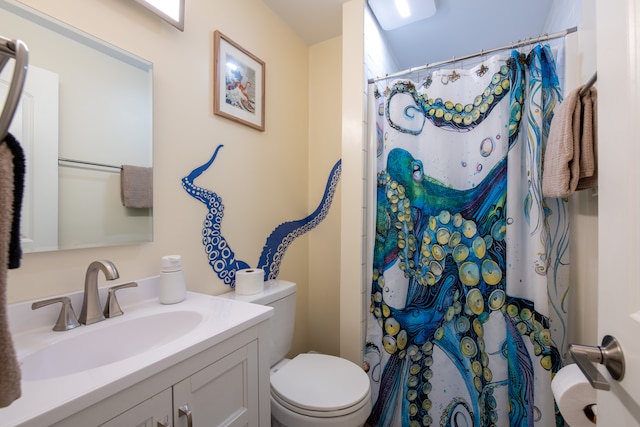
x=274, y=290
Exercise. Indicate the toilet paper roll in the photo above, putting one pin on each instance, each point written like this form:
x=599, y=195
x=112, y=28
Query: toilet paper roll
x=574, y=395
x=249, y=281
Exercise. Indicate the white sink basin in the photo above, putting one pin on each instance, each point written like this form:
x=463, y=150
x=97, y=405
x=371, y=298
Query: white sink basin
x=64, y=373
x=107, y=342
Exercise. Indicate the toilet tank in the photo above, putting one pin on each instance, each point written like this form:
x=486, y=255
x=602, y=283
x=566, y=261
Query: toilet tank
x=281, y=295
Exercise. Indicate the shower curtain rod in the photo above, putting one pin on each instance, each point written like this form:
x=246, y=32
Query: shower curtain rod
x=481, y=53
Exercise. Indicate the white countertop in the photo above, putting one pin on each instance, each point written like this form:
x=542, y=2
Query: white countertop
x=47, y=401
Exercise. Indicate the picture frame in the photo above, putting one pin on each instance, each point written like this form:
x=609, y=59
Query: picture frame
x=239, y=81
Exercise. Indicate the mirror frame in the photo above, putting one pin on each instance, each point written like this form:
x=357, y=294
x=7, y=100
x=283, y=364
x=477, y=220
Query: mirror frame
x=154, y=6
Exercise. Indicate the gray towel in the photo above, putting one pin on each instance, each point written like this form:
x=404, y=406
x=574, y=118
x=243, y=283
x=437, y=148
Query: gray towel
x=589, y=141
x=136, y=186
x=9, y=368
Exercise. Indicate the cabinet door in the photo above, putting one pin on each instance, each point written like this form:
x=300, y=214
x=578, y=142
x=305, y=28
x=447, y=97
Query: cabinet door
x=152, y=412
x=222, y=394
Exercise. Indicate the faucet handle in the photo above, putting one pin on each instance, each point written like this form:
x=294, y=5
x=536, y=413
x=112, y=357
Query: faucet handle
x=66, y=319
x=112, y=308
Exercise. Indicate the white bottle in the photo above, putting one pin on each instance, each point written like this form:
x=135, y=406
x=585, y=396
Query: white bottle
x=172, y=286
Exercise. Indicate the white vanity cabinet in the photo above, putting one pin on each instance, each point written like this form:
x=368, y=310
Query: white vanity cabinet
x=154, y=412
x=226, y=385
x=208, y=353
x=220, y=394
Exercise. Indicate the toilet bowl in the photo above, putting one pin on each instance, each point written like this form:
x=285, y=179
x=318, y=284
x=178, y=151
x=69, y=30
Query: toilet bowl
x=316, y=390
x=310, y=390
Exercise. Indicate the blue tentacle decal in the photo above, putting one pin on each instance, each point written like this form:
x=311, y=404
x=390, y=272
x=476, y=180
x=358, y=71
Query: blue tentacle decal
x=220, y=256
x=280, y=239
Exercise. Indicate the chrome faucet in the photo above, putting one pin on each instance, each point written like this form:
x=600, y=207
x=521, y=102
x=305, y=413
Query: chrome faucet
x=91, y=309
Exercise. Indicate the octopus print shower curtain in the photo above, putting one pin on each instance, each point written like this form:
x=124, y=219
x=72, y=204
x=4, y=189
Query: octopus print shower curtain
x=470, y=269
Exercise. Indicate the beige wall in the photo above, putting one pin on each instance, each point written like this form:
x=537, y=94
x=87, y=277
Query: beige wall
x=353, y=258
x=264, y=178
x=325, y=138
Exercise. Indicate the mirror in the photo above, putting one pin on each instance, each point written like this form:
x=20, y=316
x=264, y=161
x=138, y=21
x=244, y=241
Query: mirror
x=86, y=110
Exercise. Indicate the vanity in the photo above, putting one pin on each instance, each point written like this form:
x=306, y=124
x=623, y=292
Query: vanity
x=203, y=361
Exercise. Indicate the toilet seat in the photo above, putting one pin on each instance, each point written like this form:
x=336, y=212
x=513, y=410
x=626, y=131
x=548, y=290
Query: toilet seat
x=320, y=385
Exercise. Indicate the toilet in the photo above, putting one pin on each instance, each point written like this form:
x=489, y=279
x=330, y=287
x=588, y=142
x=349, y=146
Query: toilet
x=310, y=390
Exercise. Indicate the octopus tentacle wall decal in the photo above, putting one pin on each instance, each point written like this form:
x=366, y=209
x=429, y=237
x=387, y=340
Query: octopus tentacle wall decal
x=221, y=257
x=280, y=239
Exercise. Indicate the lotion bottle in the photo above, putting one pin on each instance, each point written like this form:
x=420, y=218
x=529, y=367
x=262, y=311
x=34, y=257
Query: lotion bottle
x=172, y=286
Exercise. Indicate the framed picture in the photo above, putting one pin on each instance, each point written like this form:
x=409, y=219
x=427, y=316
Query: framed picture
x=238, y=78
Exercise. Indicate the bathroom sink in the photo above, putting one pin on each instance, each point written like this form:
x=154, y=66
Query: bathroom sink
x=106, y=366
x=107, y=342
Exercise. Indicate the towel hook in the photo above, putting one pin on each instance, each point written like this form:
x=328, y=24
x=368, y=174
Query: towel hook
x=589, y=83
x=18, y=50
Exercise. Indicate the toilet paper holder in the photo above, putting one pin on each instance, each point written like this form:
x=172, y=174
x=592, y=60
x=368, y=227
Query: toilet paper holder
x=608, y=354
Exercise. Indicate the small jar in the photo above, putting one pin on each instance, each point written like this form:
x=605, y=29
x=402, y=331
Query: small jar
x=172, y=286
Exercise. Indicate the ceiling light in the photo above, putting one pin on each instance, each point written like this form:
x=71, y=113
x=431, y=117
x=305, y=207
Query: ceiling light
x=391, y=15
x=171, y=11
x=403, y=8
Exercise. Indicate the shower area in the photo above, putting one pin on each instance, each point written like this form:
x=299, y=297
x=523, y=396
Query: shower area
x=468, y=269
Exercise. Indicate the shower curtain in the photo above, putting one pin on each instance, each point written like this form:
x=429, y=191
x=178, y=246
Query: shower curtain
x=467, y=320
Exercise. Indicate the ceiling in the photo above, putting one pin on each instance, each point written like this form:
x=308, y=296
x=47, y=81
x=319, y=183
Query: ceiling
x=459, y=27
x=313, y=20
